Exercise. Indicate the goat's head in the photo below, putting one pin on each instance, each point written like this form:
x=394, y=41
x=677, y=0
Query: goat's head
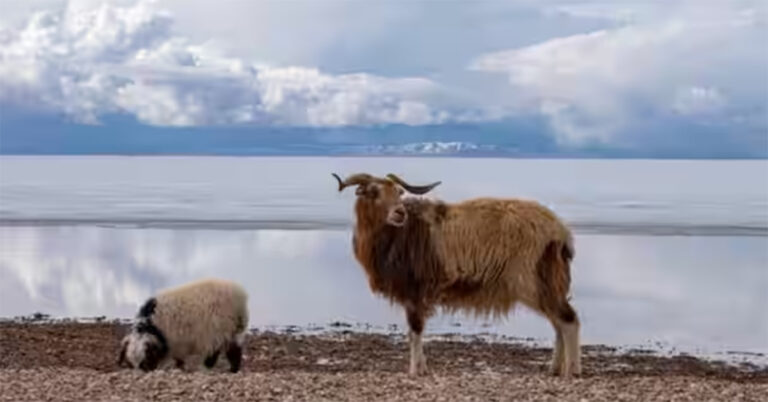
x=384, y=195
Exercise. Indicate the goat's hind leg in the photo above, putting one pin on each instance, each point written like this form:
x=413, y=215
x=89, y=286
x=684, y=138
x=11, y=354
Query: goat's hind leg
x=553, y=271
x=569, y=322
x=566, y=357
x=558, y=351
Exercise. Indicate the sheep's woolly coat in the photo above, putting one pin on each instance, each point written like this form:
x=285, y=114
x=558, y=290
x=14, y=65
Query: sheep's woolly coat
x=481, y=255
x=201, y=317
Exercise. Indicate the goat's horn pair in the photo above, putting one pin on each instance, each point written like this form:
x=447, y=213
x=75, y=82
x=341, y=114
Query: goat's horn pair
x=364, y=178
x=355, y=179
x=411, y=188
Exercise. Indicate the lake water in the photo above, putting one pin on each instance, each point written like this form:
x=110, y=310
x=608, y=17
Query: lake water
x=667, y=251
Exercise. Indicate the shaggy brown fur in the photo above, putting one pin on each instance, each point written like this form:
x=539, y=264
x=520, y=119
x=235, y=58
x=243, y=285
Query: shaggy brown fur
x=401, y=263
x=482, y=256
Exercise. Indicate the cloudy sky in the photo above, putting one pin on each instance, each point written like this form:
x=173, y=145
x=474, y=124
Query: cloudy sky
x=674, y=78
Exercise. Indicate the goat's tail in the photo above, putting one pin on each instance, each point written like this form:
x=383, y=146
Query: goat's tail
x=554, y=276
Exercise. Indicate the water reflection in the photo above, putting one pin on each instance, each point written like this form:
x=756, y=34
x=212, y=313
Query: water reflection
x=695, y=291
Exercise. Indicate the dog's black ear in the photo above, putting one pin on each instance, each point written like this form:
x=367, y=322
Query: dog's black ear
x=121, y=360
x=153, y=354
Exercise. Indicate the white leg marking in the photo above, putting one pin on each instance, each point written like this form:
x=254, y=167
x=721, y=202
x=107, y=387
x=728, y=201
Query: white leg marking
x=572, y=364
x=418, y=360
x=558, y=352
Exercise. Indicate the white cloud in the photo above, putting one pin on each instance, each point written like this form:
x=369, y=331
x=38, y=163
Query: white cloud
x=596, y=10
x=595, y=71
x=697, y=61
x=698, y=100
x=91, y=59
x=431, y=148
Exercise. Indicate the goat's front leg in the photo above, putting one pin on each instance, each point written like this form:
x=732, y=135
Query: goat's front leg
x=416, y=319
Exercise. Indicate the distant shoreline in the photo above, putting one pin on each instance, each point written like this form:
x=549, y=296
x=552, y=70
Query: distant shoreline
x=612, y=228
x=542, y=157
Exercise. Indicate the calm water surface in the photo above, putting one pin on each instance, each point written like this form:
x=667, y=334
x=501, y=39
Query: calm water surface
x=602, y=196
x=698, y=292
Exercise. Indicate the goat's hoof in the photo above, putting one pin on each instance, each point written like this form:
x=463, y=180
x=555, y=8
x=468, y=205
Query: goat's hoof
x=574, y=369
x=419, y=369
x=569, y=374
x=556, y=369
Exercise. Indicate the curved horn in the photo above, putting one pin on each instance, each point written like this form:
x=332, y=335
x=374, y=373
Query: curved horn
x=355, y=179
x=413, y=189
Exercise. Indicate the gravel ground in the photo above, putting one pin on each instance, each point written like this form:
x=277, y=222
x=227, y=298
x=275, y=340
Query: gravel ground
x=77, y=362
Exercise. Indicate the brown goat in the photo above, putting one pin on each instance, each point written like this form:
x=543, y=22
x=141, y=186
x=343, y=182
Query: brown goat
x=482, y=255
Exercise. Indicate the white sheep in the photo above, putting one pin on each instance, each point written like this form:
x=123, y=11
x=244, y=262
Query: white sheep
x=201, y=318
